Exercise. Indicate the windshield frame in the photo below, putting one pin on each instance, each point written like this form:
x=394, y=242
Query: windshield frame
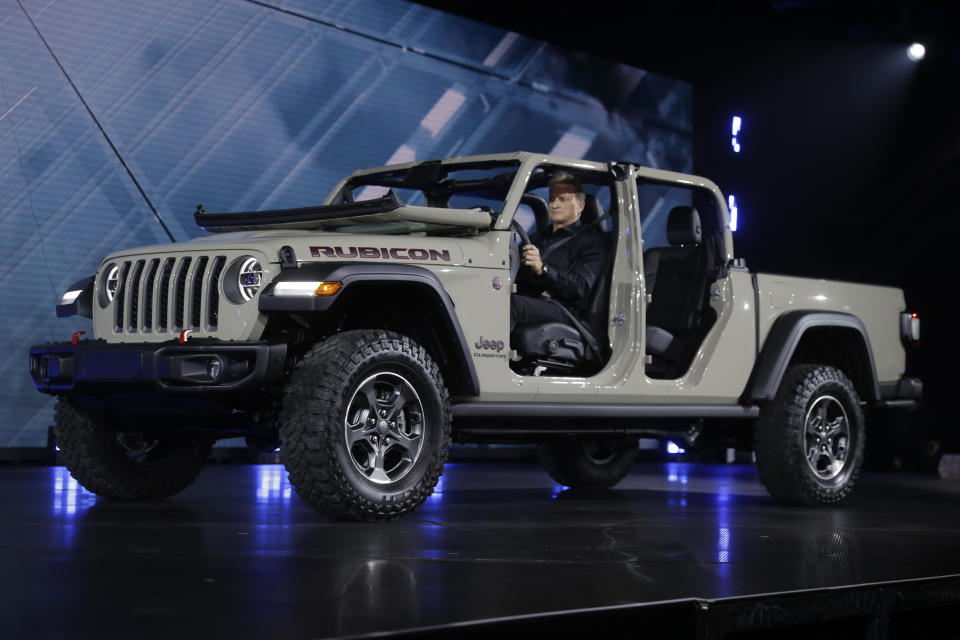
x=525, y=164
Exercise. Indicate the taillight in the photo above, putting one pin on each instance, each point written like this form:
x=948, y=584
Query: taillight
x=910, y=328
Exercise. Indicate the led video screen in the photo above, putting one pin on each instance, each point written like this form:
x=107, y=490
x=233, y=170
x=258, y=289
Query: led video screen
x=118, y=118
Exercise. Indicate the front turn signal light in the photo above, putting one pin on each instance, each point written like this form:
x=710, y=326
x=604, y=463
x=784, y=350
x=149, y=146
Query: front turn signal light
x=327, y=288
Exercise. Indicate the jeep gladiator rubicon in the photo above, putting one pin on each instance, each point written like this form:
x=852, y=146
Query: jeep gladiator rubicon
x=363, y=335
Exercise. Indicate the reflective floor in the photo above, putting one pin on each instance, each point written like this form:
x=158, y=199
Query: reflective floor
x=238, y=553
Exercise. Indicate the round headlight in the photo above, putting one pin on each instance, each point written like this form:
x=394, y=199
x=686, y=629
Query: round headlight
x=248, y=278
x=109, y=284
x=113, y=281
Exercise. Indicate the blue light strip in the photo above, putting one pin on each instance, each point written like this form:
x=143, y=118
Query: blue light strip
x=732, y=205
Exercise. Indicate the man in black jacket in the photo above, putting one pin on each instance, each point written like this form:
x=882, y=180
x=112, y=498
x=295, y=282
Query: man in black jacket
x=567, y=273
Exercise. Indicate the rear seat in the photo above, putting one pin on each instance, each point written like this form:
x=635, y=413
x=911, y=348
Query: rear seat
x=674, y=278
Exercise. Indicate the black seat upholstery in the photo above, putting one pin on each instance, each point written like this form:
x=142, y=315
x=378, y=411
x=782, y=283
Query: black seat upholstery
x=539, y=208
x=592, y=210
x=675, y=278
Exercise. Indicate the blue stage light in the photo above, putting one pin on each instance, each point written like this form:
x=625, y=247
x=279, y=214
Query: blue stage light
x=732, y=205
x=673, y=448
x=735, y=132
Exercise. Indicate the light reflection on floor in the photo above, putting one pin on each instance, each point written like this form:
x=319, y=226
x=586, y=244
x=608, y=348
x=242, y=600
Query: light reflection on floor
x=69, y=501
x=272, y=484
x=69, y=498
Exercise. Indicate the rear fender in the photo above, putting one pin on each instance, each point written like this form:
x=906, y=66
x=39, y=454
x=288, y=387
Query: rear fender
x=786, y=336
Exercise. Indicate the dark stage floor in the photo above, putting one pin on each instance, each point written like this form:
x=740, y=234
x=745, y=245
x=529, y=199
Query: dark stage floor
x=238, y=554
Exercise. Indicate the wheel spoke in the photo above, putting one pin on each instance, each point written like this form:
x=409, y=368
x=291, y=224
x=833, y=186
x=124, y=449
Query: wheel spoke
x=822, y=413
x=835, y=426
x=813, y=423
x=409, y=443
x=400, y=398
x=369, y=392
x=360, y=434
x=378, y=473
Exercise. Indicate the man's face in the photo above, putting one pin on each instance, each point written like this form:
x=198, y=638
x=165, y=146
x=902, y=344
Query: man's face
x=564, y=206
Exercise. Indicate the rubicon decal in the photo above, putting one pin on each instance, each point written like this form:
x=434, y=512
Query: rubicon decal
x=391, y=253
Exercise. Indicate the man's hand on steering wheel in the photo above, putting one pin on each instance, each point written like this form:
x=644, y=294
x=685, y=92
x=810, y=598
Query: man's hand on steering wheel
x=531, y=258
x=529, y=253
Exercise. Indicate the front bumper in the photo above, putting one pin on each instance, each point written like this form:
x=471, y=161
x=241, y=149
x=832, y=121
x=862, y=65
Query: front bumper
x=93, y=367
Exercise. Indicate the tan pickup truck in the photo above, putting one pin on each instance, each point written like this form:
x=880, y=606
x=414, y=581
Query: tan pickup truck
x=363, y=335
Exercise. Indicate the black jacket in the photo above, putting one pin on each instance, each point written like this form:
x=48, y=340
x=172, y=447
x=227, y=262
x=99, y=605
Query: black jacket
x=572, y=268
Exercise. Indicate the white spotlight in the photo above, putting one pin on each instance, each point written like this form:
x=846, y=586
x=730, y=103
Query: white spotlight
x=916, y=51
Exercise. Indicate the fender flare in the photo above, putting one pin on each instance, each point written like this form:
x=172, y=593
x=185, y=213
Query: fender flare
x=350, y=273
x=782, y=342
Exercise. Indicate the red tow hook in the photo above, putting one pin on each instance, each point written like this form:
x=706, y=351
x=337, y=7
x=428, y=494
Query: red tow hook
x=76, y=337
x=184, y=335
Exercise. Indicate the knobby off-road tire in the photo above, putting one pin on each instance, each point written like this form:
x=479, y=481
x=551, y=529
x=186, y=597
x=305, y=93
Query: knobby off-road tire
x=125, y=465
x=365, y=426
x=588, y=464
x=810, y=441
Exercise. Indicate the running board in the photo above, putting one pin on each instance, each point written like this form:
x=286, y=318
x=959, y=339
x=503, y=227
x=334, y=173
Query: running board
x=478, y=409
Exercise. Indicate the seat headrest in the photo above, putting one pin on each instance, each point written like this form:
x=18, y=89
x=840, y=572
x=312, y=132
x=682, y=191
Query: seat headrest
x=683, y=226
x=592, y=210
x=541, y=213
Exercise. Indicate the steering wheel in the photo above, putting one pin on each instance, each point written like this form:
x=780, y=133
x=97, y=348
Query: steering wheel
x=516, y=229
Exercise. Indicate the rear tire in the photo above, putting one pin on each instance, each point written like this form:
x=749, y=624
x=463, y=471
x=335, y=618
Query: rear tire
x=365, y=426
x=588, y=464
x=125, y=465
x=810, y=441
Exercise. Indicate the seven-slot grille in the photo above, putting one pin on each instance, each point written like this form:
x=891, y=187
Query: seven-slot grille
x=159, y=295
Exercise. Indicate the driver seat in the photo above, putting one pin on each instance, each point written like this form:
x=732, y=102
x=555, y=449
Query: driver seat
x=578, y=345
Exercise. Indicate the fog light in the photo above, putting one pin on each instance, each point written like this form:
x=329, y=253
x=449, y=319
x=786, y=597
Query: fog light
x=214, y=368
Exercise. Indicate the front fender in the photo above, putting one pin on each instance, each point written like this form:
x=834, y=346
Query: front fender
x=351, y=274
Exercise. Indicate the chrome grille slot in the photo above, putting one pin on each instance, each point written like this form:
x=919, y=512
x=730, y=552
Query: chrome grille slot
x=196, y=297
x=150, y=280
x=135, y=288
x=164, y=294
x=118, y=303
x=213, y=295
x=180, y=293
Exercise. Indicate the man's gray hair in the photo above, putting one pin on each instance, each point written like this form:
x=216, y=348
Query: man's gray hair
x=569, y=180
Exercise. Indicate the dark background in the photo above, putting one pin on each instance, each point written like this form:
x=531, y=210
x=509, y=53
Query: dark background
x=850, y=159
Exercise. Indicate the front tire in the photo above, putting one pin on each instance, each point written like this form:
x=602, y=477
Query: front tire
x=810, y=441
x=125, y=465
x=365, y=426
x=588, y=464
